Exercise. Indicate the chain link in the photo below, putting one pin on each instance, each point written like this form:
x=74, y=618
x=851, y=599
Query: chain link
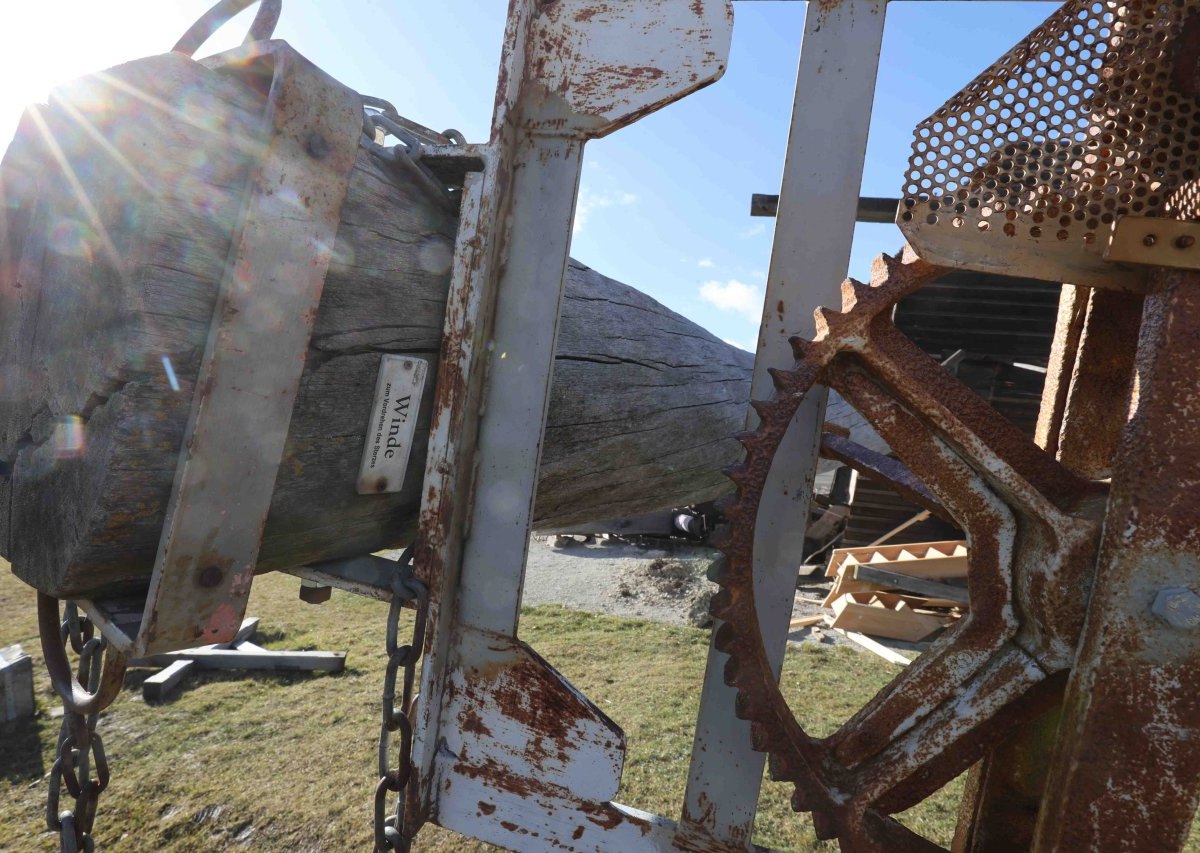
x=396, y=831
x=80, y=747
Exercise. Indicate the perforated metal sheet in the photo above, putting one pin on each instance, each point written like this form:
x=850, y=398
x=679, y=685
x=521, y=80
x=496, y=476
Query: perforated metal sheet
x=1091, y=117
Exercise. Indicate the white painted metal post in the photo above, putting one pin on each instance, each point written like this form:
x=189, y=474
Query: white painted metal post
x=490, y=761
x=831, y=115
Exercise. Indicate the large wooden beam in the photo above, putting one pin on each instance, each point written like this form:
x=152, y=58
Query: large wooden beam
x=122, y=196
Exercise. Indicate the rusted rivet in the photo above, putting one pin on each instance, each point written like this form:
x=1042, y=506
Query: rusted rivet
x=316, y=146
x=1178, y=606
x=1185, y=241
x=1149, y=240
x=210, y=576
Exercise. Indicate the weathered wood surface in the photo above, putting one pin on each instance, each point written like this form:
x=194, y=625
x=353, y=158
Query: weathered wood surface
x=119, y=248
x=116, y=236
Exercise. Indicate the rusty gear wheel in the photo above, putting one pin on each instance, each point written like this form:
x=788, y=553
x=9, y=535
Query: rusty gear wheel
x=1032, y=528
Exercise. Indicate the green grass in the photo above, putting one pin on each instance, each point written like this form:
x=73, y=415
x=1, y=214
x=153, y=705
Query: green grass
x=286, y=762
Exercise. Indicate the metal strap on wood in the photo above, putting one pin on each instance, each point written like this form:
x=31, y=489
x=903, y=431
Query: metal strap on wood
x=254, y=357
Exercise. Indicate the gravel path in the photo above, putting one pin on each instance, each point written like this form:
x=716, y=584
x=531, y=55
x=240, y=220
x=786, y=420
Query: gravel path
x=662, y=583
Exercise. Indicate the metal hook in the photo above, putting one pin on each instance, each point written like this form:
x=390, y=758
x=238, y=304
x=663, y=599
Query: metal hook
x=261, y=29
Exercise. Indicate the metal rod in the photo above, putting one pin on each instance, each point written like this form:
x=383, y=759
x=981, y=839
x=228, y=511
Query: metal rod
x=870, y=208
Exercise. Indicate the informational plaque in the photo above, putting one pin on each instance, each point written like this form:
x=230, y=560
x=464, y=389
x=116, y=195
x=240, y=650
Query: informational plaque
x=393, y=422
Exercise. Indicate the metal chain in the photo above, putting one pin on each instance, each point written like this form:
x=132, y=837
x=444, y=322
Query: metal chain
x=396, y=831
x=80, y=747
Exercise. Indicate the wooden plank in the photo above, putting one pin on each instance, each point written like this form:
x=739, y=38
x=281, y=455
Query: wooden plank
x=874, y=646
x=805, y=622
x=845, y=584
x=247, y=630
x=160, y=685
x=919, y=585
x=903, y=623
x=241, y=658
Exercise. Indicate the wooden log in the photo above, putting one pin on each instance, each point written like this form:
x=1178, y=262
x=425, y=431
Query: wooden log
x=121, y=198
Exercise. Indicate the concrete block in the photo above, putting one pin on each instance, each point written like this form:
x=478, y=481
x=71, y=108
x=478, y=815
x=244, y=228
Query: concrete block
x=16, y=684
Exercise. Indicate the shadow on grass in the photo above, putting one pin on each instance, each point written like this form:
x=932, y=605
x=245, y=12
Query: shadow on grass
x=21, y=750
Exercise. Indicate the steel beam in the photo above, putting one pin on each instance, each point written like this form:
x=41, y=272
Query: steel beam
x=1126, y=773
x=818, y=202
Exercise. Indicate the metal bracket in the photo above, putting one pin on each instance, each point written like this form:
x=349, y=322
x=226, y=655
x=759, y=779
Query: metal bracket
x=1155, y=242
x=254, y=357
x=571, y=71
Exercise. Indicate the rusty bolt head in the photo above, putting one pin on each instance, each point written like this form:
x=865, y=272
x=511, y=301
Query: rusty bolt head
x=1185, y=241
x=210, y=576
x=1149, y=240
x=1179, y=607
x=317, y=146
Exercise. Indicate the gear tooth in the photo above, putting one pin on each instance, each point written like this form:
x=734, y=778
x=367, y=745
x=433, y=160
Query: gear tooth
x=734, y=470
x=740, y=710
x=824, y=825
x=801, y=346
x=785, y=380
x=724, y=637
x=853, y=292
x=802, y=801
x=760, y=738
x=823, y=318
x=731, y=670
x=780, y=768
x=884, y=267
x=746, y=438
x=717, y=570
x=719, y=538
x=763, y=408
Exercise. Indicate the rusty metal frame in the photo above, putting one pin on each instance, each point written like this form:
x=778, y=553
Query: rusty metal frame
x=253, y=359
x=528, y=777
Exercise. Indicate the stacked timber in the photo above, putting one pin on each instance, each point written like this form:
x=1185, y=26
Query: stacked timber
x=900, y=592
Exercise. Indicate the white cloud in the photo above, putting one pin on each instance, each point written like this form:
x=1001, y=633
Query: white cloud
x=747, y=347
x=705, y=263
x=735, y=296
x=753, y=231
x=590, y=201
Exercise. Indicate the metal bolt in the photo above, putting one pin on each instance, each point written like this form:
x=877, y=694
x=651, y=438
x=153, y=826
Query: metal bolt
x=1149, y=240
x=210, y=576
x=1178, y=606
x=1185, y=241
x=317, y=146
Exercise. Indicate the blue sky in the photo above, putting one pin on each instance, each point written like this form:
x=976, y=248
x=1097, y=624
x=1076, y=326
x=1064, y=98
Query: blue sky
x=664, y=204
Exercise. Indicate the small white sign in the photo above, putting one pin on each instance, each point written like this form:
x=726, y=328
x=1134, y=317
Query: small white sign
x=393, y=422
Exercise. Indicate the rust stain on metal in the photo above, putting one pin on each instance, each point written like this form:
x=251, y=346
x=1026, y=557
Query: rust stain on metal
x=1127, y=770
x=470, y=721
